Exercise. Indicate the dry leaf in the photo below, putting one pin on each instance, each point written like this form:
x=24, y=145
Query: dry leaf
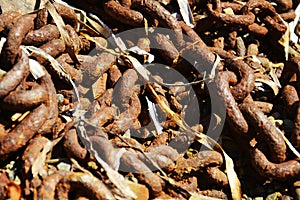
x=270, y=83
x=154, y=116
x=186, y=12
x=228, y=11
x=36, y=69
x=99, y=87
x=149, y=58
x=141, y=191
x=38, y=165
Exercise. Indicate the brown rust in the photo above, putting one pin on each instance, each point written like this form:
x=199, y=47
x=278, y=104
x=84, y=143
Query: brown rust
x=236, y=7
x=222, y=53
x=6, y=18
x=275, y=24
x=123, y=14
x=124, y=89
x=165, y=151
x=295, y=137
x=105, y=149
x=166, y=48
x=191, y=33
x=114, y=74
x=215, y=176
x=214, y=193
x=53, y=48
x=88, y=184
x=42, y=35
x=282, y=171
x=290, y=101
x=244, y=20
x=11, y=52
x=22, y=133
x=144, y=44
x=51, y=103
x=104, y=115
x=78, y=184
x=68, y=14
x=201, y=54
x=265, y=107
x=73, y=147
x=23, y=100
x=41, y=18
x=257, y=29
x=234, y=115
x=76, y=42
x=14, y=76
x=94, y=67
x=266, y=131
x=263, y=7
x=162, y=161
x=157, y=11
x=131, y=163
x=288, y=16
x=246, y=82
x=199, y=161
x=129, y=118
x=47, y=189
x=3, y=185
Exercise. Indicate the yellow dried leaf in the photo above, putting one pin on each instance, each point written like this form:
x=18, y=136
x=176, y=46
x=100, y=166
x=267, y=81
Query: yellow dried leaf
x=99, y=87
x=140, y=191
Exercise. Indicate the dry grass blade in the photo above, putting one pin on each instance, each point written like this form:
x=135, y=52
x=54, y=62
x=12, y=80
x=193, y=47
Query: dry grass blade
x=2, y=41
x=270, y=83
x=234, y=182
x=289, y=144
x=99, y=27
x=63, y=31
x=153, y=115
x=90, y=30
x=186, y=12
x=285, y=39
x=293, y=36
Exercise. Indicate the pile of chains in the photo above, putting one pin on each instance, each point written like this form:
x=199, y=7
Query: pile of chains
x=48, y=152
